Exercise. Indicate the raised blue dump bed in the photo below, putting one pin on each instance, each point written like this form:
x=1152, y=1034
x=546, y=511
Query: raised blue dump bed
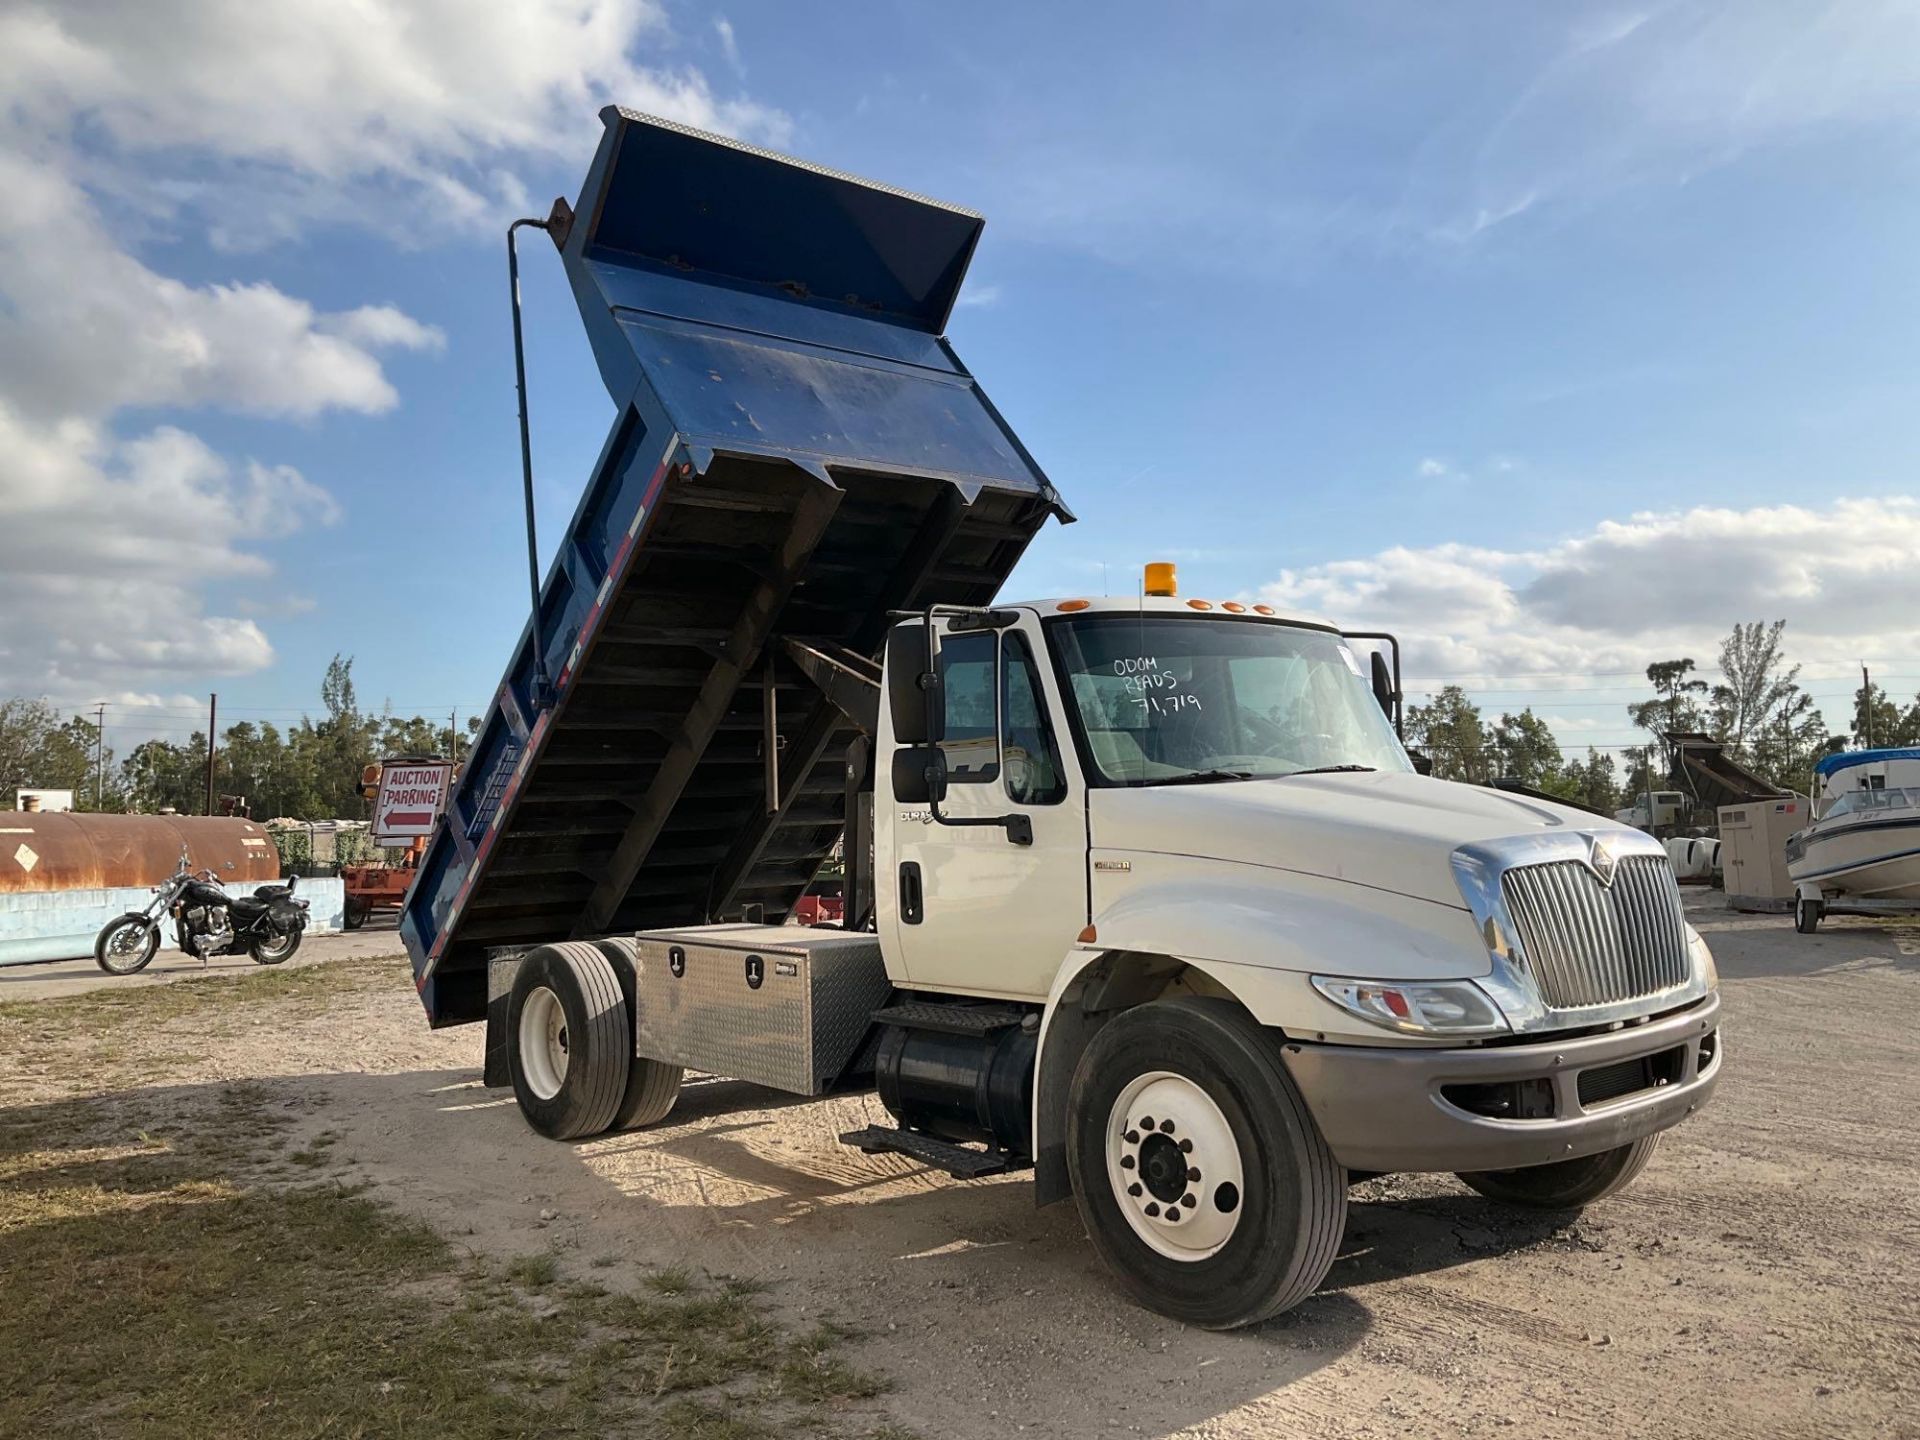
x=798, y=452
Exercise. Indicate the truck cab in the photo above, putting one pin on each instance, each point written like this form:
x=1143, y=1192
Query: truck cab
x=1141, y=894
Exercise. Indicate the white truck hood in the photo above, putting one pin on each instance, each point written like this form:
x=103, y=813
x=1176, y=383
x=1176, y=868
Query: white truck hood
x=1390, y=830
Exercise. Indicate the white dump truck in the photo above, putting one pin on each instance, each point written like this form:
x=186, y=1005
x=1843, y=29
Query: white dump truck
x=1141, y=894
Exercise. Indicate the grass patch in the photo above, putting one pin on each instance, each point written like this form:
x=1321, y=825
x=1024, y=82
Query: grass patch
x=160, y=1282
x=671, y=1281
x=200, y=997
x=534, y=1272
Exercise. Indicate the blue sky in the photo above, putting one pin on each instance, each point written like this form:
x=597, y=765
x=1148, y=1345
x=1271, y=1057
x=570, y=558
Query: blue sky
x=1401, y=313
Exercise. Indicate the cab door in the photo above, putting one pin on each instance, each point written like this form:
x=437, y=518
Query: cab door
x=971, y=910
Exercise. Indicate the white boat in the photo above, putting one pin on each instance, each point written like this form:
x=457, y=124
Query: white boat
x=1864, y=844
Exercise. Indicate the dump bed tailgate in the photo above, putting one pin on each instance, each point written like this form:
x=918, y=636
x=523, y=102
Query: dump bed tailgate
x=797, y=452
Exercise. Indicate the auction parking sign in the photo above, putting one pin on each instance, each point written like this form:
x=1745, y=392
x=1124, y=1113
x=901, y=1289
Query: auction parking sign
x=411, y=799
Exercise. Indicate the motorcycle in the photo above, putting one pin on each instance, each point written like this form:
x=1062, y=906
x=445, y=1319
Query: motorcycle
x=207, y=921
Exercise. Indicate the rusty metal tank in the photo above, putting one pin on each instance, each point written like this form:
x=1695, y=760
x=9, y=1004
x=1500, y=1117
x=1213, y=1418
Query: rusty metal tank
x=42, y=851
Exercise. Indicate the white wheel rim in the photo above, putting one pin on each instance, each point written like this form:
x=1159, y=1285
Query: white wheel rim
x=1174, y=1166
x=543, y=1043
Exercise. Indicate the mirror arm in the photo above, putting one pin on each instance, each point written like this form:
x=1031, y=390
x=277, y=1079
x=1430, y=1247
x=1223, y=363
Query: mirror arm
x=1019, y=828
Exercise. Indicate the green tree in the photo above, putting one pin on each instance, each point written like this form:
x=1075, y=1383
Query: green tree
x=1641, y=775
x=1757, y=683
x=1676, y=703
x=160, y=775
x=1878, y=721
x=1759, y=710
x=308, y=771
x=41, y=750
x=1589, y=782
x=1525, y=750
x=1449, y=730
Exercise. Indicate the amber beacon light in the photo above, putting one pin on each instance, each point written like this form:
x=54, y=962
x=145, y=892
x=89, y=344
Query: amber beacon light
x=1160, y=578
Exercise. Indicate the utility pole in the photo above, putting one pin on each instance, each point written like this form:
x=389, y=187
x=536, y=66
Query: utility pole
x=1866, y=701
x=213, y=709
x=100, y=756
x=453, y=736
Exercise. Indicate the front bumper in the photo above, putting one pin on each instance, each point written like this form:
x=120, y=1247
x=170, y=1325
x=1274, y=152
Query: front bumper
x=1402, y=1109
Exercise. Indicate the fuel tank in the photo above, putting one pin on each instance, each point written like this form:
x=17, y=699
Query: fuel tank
x=64, y=851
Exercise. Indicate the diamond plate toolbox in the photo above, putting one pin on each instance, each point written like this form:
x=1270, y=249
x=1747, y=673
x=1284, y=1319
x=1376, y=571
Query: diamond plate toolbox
x=781, y=1005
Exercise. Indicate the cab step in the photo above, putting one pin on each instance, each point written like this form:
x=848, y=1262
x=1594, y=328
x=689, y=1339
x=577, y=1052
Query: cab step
x=962, y=1162
x=953, y=1019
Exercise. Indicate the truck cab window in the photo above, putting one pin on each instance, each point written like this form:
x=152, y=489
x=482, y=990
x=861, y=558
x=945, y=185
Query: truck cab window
x=967, y=674
x=1034, y=775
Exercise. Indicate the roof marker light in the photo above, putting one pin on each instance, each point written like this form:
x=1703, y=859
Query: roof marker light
x=1263, y=610
x=1200, y=604
x=1235, y=606
x=1073, y=605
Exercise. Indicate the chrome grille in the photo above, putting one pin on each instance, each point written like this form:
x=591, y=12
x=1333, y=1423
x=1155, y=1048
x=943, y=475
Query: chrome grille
x=1589, y=944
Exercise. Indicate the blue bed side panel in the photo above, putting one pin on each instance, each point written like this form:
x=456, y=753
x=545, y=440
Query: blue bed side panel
x=741, y=303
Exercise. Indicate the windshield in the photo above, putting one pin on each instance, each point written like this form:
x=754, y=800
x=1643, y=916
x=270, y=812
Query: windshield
x=1161, y=699
x=1878, y=802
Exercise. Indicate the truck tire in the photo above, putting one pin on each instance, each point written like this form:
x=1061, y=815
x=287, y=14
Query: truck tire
x=653, y=1086
x=357, y=911
x=1183, y=1108
x=569, y=1042
x=1566, y=1184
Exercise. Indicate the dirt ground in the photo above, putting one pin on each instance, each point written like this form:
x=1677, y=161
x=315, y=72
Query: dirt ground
x=1759, y=1279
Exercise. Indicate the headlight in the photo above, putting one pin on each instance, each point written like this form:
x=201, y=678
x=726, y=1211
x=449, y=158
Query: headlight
x=1445, y=1007
x=1703, y=959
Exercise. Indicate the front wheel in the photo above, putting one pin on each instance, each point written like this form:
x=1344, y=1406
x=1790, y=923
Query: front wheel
x=1200, y=1175
x=127, y=944
x=276, y=950
x=1807, y=914
x=1566, y=1184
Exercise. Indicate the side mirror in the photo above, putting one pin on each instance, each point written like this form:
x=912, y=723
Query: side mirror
x=1422, y=762
x=919, y=775
x=1383, y=684
x=914, y=697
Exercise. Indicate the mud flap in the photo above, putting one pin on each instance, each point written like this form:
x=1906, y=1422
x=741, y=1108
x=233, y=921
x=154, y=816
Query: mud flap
x=500, y=972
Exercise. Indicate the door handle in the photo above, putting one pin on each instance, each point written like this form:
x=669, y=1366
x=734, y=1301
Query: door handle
x=912, y=909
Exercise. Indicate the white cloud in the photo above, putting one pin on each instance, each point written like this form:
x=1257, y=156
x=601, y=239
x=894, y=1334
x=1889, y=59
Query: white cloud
x=1661, y=95
x=86, y=328
x=1629, y=592
x=340, y=104
x=128, y=127
x=1433, y=468
x=729, y=44
x=107, y=547
x=979, y=296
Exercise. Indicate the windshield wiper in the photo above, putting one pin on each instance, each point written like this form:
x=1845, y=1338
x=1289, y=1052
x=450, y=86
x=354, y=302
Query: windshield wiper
x=1330, y=770
x=1202, y=777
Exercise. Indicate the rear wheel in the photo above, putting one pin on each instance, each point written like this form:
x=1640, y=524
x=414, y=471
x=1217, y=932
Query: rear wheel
x=1202, y=1180
x=275, y=951
x=569, y=1042
x=653, y=1086
x=127, y=945
x=1807, y=914
x=357, y=912
x=1566, y=1184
